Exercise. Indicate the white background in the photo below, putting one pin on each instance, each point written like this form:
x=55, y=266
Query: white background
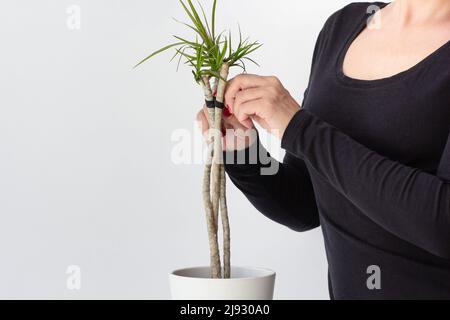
x=86, y=176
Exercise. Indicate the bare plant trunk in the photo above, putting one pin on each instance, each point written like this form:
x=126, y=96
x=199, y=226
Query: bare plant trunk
x=217, y=160
x=225, y=224
x=215, y=266
x=218, y=179
x=217, y=155
x=214, y=182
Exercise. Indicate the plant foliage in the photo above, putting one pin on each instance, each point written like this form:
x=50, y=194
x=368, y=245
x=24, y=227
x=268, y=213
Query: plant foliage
x=209, y=51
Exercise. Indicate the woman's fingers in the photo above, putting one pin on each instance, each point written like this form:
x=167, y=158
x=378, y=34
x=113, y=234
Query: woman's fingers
x=244, y=97
x=245, y=111
x=207, y=116
x=242, y=82
x=263, y=123
x=247, y=95
x=230, y=121
x=262, y=99
x=240, y=138
x=202, y=120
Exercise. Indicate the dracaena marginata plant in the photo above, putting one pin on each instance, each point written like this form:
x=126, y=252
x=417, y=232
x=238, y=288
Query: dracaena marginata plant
x=211, y=55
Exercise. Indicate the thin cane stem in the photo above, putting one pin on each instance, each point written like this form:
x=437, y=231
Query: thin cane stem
x=225, y=224
x=217, y=155
x=215, y=266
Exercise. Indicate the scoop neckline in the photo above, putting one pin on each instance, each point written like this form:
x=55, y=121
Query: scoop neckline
x=360, y=27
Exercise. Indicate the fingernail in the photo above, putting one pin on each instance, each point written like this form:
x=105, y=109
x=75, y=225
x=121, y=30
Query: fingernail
x=226, y=112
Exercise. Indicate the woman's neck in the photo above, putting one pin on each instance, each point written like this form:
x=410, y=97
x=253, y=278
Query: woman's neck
x=413, y=12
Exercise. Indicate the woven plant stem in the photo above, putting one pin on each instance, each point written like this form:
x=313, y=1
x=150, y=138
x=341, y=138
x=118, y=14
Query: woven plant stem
x=223, y=209
x=225, y=224
x=217, y=174
x=214, y=86
x=215, y=266
x=217, y=155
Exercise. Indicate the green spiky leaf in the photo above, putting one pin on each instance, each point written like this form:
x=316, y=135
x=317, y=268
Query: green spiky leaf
x=158, y=52
x=207, y=56
x=213, y=19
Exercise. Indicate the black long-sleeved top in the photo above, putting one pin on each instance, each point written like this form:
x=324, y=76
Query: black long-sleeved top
x=369, y=161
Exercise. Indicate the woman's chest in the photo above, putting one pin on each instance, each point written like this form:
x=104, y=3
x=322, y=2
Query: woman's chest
x=378, y=53
x=407, y=121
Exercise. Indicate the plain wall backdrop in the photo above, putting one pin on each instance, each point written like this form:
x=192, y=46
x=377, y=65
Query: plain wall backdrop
x=86, y=176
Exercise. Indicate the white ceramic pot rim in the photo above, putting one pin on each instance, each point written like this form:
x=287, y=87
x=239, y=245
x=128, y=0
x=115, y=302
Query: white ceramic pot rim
x=261, y=273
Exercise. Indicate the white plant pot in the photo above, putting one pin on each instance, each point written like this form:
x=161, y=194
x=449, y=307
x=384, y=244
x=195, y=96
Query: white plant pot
x=244, y=284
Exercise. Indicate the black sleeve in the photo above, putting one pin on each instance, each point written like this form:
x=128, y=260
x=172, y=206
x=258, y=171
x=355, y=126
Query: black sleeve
x=281, y=191
x=412, y=204
x=286, y=197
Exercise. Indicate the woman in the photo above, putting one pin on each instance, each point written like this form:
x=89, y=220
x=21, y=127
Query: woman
x=368, y=153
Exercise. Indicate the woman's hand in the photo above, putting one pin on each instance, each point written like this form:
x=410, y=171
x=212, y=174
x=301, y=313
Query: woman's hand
x=262, y=99
x=235, y=135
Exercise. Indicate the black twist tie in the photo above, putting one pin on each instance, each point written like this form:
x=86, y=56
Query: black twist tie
x=220, y=105
x=210, y=104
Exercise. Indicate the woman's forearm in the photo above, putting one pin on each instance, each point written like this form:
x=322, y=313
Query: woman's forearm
x=284, y=195
x=410, y=203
